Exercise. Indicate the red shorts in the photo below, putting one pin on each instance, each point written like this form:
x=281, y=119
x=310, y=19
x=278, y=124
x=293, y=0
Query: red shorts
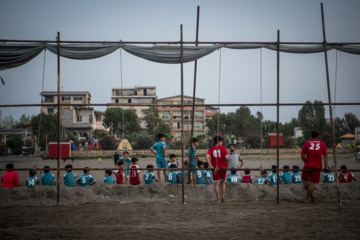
x=313, y=177
x=220, y=175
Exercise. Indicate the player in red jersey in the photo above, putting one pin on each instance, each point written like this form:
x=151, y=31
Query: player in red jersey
x=218, y=157
x=10, y=178
x=345, y=176
x=312, y=153
x=134, y=174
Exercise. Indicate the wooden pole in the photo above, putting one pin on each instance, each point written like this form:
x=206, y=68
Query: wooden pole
x=277, y=116
x=182, y=114
x=58, y=126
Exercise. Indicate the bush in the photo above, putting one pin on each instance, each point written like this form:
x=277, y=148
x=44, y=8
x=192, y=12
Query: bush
x=15, y=143
x=108, y=143
x=289, y=142
x=144, y=141
x=254, y=139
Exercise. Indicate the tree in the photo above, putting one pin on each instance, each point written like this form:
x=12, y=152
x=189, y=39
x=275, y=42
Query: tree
x=71, y=136
x=165, y=129
x=23, y=121
x=326, y=138
x=7, y=122
x=351, y=122
x=216, y=124
x=312, y=117
x=47, y=129
x=152, y=119
x=15, y=142
x=108, y=143
x=113, y=119
x=98, y=134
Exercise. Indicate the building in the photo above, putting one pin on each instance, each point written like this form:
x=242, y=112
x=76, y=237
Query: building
x=298, y=132
x=142, y=94
x=172, y=115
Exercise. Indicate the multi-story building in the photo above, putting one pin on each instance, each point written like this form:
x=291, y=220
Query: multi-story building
x=172, y=115
x=142, y=94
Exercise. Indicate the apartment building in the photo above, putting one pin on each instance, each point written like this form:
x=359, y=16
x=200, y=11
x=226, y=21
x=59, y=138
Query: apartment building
x=141, y=94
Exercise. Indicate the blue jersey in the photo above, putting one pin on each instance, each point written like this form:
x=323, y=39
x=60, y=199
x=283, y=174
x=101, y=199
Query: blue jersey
x=287, y=178
x=209, y=176
x=201, y=177
x=192, y=162
x=69, y=179
x=127, y=161
x=262, y=180
x=109, y=179
x=149, y=178
x=296, y=177
x=273, y=177
x=328, y=178
x=233, y=179
x=159, y=147
x=32, y=181
x=172, y=177
x=180, y=176
x=85, y=180
x=48, y=179
x=168, y=166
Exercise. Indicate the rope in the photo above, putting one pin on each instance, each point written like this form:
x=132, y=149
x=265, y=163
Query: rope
x=42, y=89
x=121, y=77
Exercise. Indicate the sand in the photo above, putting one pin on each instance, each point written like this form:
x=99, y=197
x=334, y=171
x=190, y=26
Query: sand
x=157, y=212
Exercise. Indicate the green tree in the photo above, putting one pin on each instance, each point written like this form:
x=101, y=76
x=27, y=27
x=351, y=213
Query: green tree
x=351, y=122
x=144, y=141
x=327, y=139
x=23, y=121
x=152, y=119
x=113, y=119
x=217, y=124
x=98, y=134
x=71, y=136
x=47, y=129
x=164, y=128
x=7, y=122
x=312, y=117
x=15, y=143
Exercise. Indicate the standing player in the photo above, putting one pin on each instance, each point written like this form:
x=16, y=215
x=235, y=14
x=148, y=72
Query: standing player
x=312, y=153
x=217, y=157
x=127, y=160
x=160, y=154
x=134, y=174
x=191, y=153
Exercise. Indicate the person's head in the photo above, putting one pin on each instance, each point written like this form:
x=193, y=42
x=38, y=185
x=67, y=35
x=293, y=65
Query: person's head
x=150, y=167
x=296, y=168
x=134, y=160
x=218, y=140
x=173, y=166
x=68, y=168
x=327, y=170
x=116, y=153
x=315, y=134
x=9, y=166
x=206, y=165
x=108, y=173
x=200, y=164
x=264, y=174
x=233, y=171
x=195, y=142
x=32, y=172
x=274, y=168
x=172, y=157
x=46, y=169
x=186, y=163
x=232, y=147
x=125, y=154
x=247, y=171
x=87, y=170
x=161, y=137
x=121, y=164
x=286, y=168
x=343, y=168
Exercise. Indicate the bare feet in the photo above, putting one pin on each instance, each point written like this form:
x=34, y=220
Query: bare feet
x=312, y=198
x=222, y=200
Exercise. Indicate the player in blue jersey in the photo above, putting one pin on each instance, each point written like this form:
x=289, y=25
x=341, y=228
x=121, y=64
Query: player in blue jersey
x=193, y=164
x=263, y=178
x=32, y=181
x=201, y=177
x=69, y=177
x=273, y=176
x=48, y=179
x=108, y=178
x=172, y=176
x=185, y=172
x=160, y=153
x=286, y=177
x=173, y=160
x=233, y=178
x=149, y=176
x=296, y=176
x=209, y=174
x=86, y=179
x=328, y=176
x=127, y=161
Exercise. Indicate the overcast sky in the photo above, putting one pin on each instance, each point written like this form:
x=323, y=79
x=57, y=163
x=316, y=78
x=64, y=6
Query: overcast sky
x=302, y=76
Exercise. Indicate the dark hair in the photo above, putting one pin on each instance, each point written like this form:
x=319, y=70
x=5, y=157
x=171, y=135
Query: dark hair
x=9, y=166
x=172, y=156
x=69, y=166
x=263, y=172
x=217, y=139
x=134, y=160
x=206, y=165
x=343, y=167
x=32, y=172
x=295, y=167
x=274, y=168
x=122, y=162
x=326, y=170
x=173, y=165
x=195, y=139
x=125, y=152
x=200, y=163
x=314, y=134
x=186, y=163
x=86, y=169
x=150, y=166
x=286, y=167
x=108, y=171
x=233, y=171
x=161, y=135
x=231, y=145
x=247, y=171
x=46, y=169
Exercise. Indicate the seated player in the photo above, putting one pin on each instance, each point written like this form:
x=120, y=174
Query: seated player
x=86, y=179
x=273, y=176
x=32, y=181
x=134, y=174
x=185, y=172
x=10, y=178
x=345, y=176
x=48, y=179
x=328, y=176
x=286, y=177
x=209, y=174
x=263, y=178
x=296, y=176
x=201, y=174
x=233, y=178
x=108, y=178
x=172, y=176
x=247, y=178
x=149, y=176
x=69, y=177
x=120, y=173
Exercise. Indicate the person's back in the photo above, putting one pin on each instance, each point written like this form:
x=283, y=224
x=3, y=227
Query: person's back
x=233, y=179
x=263, y=179
x=32, y=180
x=134, y=174
x=149, y=176
x=86, y=179
x=172, y=176
x=201, y=177
x=48, y=179
x=108, y=178
x=314, y=150
x=273, y=176
x=209, y=174
x=69, y=177
x=10, y=178
x=328, y=178
x=180, y=176
x=287, y=178
x=296, y=176
x=345, y=176
x=247, y=178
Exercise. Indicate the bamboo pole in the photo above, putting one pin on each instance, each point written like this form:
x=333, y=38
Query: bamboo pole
x=277, y=117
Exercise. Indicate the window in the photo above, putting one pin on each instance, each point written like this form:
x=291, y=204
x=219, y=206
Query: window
x=116, y=100
x=98, y=118
x=145, y=92
x=77, y=98
x=197, y=125
x=48, y=98
x=145, y=100
x=178, y=135
x=65, y=99
x=118, y=92
x=179, y=125
x=165, y=115
x=50, y=110
x=129, y=100
x=91, y=119
x=79, y=118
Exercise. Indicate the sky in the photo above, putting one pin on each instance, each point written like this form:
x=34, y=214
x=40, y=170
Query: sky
x=302, y=76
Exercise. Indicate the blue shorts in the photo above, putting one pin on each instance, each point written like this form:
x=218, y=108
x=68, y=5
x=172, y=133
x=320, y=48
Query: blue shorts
x=161, y=164
x=193, y=165
x=127, y=172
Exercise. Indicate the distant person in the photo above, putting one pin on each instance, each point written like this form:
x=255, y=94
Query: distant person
x=209, y=174
x=328, y=177
x=116, y=158
x=32, y=180
x=134, y=174
x=48, y=179
x=247, y=178
x=233, y=178
x=235, y=160
x=160, y=153
x=86, y=179
x=192, y=161
x=201, y=175
x=10, y=179
x=108, y=178
x=149, y=176
x=127, y=160
x=345, y=176
x=69, y=177
x=286, y=177
x=273, y=180
x=172, y=176
x=263, y=179
x=119, y=173
x=296, y=176
x=312, y=154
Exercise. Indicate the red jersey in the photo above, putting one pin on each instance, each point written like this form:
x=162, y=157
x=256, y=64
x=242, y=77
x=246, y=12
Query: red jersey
x=314, y=150
x=247, y=179
x=218, y=155
x=119, y=177
x=134, y=178
x=10, y=179
x=346, y=177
